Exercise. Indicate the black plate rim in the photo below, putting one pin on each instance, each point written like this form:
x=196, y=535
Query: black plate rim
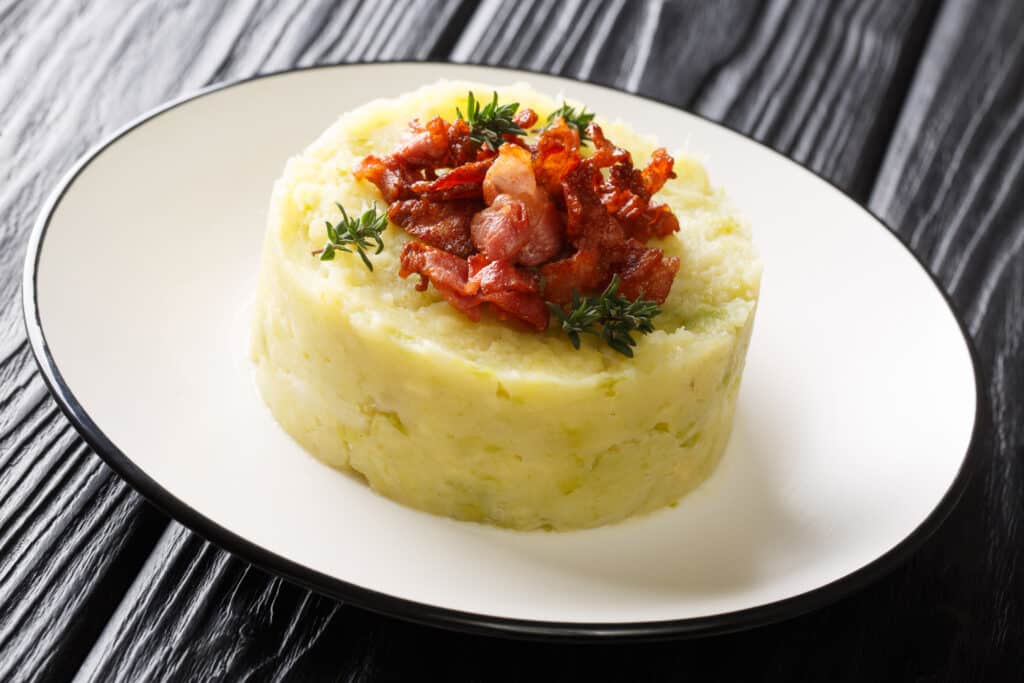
x=432, y=615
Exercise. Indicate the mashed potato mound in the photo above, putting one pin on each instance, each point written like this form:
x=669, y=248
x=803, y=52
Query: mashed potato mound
x=484, y=421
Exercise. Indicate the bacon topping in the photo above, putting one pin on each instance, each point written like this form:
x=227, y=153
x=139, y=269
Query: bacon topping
x=460, y=183
x=441, y=224
x=558, y=152
x=501, y=230
x=525, y=224
x=645, y=272
x=424, y=145
x=511, y=179
x=627, y=191
x=390, y=175
x=468, y=284
x=581, y=272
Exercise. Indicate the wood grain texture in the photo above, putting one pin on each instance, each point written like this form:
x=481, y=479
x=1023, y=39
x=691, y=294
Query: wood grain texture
x=209, y=617
x=953, y=186
x=72, y=534
x=830, y=83
x=822, y=82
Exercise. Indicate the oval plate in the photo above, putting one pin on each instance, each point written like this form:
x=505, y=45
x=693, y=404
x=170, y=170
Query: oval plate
x=858, y=405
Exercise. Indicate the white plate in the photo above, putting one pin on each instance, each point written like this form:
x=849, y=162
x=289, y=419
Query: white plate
x=857, y=409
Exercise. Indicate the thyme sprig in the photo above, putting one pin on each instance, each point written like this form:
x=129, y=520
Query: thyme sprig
x=610, y=316
x=578, y=120
x=359, y=233
x=488, y=124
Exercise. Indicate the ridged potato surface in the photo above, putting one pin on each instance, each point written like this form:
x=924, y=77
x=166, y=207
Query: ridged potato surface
x=482, y=420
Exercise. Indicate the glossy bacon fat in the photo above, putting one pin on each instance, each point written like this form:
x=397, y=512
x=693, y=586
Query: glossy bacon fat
x=530, y=222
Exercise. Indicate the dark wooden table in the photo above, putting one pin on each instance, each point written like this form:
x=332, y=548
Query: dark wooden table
x=915, y=108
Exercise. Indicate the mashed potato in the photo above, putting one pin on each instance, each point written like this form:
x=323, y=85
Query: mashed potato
x=483, y=421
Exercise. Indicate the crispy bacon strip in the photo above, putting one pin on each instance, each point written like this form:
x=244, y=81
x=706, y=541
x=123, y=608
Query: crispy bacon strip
x=658, y=170
x=447, y=272
x=581, y=272
x=390, y=176
x=501, y=230
x=422, y=145
x=488, y=277
x=468, y=285
x=644, y=221
x=605, y=153
x=588, y=221
x=513, y=292
x=461, y=147
x=627, y=195
x=558, y=152
x=461, y=182
x=441, y=224
x=645, y=272
x=511, y=181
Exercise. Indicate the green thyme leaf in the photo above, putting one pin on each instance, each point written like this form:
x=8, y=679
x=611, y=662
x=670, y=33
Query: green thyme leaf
x=488, y=125
x=610, y=316
x=359, y=233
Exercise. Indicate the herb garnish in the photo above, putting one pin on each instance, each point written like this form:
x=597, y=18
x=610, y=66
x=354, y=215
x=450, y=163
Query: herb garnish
x=616, y=315
x=579, y=121
x=358, y=233
x=488, y=125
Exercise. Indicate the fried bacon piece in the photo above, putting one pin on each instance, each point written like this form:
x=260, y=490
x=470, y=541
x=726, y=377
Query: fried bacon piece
x=513, y=292
x=511, y=174
x=461, y=182
x=546, y=230
x=645, y=272
x=391, y=176
x=658, y=170
x=644, y=221
x=424, y=146
x=511, y=181
x=467, y=285
x=444, y=225
x=502, y=229
x=411, y=170
x=581, y=272
x=588, y=220
x=605, y=153
x=461, y=147
x=447, y=272
x=489, y=277
x=558, y=152
x=627, y=191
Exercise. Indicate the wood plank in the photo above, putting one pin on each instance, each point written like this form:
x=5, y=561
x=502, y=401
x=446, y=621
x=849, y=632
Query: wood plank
x=197, y=613
x=953, y=187
x=72, y=534
x=230, y=620
x=823, y=82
